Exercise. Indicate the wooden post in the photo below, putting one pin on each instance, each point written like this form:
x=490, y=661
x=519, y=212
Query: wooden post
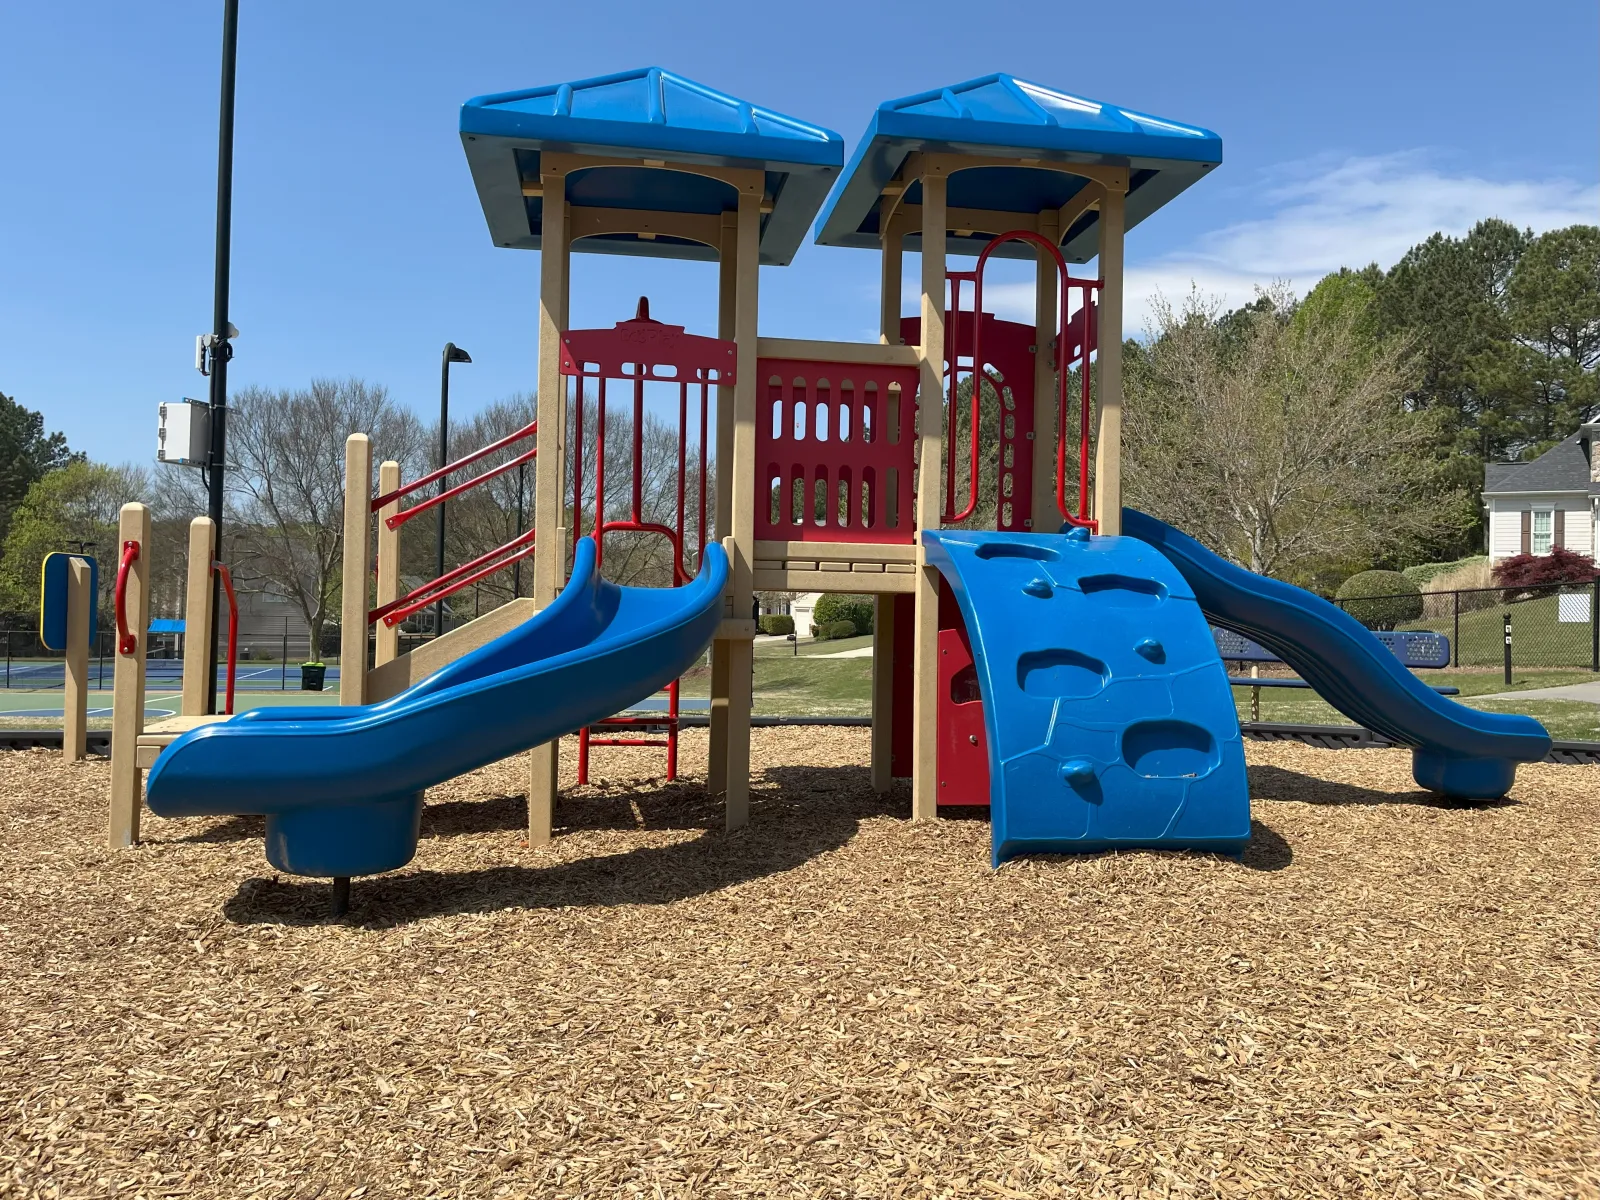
x=727, y=281
x=75, y=685
x=388, y=647
x=1108, y=443
x=127, y=687
x=1046, y=295
x=549, y=488
x=357, y=569
x=741, y=661
x=930, y=408
x=883, y=605
x=198, y=620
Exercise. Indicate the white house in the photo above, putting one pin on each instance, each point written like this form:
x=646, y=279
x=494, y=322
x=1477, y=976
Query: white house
x=803, y=608
x=1552, y=501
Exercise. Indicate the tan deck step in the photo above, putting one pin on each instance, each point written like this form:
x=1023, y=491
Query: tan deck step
x=158, y=735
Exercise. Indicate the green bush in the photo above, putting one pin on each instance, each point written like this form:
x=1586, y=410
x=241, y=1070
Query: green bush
x=832, y=608
x=834, y=630
x=1381, y=599
x=1425, y=573
x=777, y=623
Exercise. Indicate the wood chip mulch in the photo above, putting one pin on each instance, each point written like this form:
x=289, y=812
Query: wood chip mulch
x=1388, y=997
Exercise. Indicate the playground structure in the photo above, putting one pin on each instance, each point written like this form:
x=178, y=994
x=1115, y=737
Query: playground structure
x=1066, y=679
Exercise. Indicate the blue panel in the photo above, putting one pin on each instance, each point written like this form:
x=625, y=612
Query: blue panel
x=341, y=788
x=639, y=114
x=166, y=626
x=53, y=577
x=1005, y=117
x=1108, y=713
x=1457, y=750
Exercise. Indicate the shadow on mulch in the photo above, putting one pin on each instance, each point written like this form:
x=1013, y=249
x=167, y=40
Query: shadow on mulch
x=1279, y=783
x=232, y=829
x=810, y=812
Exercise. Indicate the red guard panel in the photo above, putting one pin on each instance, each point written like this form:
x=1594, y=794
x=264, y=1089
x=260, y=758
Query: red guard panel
x=834, y=445
x=963, y=763
x=1009, y=348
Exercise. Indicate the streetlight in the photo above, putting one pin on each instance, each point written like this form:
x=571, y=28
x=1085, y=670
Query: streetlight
x=452, y=354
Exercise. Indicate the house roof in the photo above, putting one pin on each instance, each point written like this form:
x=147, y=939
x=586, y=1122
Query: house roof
x=653, y=114
x=1001, y=116
x=1563, y=468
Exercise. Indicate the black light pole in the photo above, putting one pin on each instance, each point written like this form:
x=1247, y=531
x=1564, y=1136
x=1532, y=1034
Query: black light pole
x=221, y=348
x=452, y=354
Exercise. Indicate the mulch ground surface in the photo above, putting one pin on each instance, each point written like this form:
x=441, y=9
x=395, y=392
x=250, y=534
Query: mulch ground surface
x=1387, y=997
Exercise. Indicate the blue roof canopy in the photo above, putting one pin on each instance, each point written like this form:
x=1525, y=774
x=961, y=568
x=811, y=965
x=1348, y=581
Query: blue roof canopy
x=1000, y=116
x=645, y=114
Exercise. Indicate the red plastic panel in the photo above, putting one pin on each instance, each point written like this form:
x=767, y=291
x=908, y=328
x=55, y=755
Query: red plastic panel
x=1008, y=351
x=963, y=764
x=834, y=445
x=664, y=351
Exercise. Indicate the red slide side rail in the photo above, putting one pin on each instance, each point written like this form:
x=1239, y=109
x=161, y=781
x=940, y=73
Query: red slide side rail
x=1064, y=356
x=233, y=633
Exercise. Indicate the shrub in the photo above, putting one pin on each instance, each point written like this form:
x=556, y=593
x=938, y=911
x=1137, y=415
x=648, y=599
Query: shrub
x=833, y=630
x=777, y=623
x=1381, y=599
x=1424, y=574
x=855, y=609
x=1529, y=575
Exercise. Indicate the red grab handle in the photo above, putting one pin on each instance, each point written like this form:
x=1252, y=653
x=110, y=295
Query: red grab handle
x=127, y=642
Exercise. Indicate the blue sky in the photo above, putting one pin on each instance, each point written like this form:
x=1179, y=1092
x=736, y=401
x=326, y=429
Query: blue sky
x=1350, y=132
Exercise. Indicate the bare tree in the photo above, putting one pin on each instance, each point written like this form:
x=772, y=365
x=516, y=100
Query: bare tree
x=1277, y=434
x=285, y=480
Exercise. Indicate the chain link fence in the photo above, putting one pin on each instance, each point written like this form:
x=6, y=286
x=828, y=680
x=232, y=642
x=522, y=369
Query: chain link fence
x=1550, y=626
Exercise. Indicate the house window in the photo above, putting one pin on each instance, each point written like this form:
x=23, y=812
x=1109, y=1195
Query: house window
x=1544, y=524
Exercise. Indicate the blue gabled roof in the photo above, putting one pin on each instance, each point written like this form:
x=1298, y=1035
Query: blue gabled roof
x=654, y=114
x=1001, y=116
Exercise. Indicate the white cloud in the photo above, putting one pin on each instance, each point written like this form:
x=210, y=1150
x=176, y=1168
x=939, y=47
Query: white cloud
x=1321, y=216
x=1324, y=216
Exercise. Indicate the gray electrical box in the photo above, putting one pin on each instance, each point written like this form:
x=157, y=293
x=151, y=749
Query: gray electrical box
x=185, y=433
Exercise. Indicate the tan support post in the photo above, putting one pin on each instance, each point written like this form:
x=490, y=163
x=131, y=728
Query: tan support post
x=198, y=619
x=549, y=487
x=75, y=687
x=388, y=636
x=1108, y=443
x=727, y=280
x=357, y=569
x=925, y=707
x=741, y=661
x=883, y=605
x=127, y=688
x=1046, y=297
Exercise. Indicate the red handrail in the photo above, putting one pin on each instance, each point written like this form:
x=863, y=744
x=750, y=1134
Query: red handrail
x=401, y=492
x=400, y=518
x=1067, y=284
x=452, y=581
x=127, y=641
x=233, y=632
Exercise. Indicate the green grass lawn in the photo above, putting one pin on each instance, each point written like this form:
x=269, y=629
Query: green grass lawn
x=1567, y=720
x=809, y=647
x=1538, y=639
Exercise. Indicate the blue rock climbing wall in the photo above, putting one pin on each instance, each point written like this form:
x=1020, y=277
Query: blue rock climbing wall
x=1109, y=717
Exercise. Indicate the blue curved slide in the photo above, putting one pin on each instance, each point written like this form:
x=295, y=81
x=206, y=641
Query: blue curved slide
x=342, y=788
x=1458, y=751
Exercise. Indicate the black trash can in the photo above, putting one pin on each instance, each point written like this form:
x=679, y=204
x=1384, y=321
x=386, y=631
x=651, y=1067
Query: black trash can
x=312, y=676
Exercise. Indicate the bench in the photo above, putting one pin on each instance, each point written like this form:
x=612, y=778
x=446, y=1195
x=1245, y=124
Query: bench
x=1417, y=649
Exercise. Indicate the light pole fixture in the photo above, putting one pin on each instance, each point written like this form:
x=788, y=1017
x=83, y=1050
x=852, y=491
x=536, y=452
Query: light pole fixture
x=452, y=354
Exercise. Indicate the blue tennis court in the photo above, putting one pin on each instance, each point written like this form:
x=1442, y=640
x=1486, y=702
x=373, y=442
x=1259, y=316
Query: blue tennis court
x=161, y=674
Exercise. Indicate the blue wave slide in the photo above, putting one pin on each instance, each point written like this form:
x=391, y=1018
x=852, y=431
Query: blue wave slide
x=1109, y=717
x=342, y=788
x=1456, y=750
